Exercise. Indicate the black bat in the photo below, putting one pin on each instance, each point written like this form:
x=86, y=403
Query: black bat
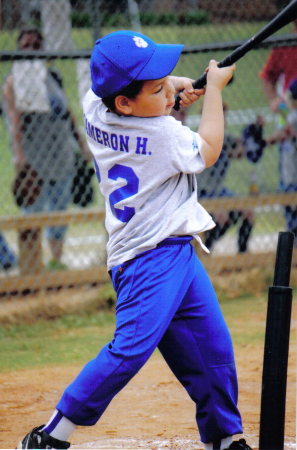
x=287, y=15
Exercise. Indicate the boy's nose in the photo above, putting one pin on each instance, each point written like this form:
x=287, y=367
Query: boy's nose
x=170, y=88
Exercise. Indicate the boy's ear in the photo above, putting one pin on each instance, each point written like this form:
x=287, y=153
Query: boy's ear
x=123, y=105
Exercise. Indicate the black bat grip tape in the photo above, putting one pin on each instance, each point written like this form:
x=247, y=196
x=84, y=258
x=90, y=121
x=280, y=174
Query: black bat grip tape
x=228, y=61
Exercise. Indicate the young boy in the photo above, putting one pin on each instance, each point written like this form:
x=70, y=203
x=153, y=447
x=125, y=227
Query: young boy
x=146, y=163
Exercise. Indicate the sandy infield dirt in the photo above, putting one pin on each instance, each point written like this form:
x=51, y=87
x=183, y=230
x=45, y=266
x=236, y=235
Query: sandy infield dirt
x=152, y=412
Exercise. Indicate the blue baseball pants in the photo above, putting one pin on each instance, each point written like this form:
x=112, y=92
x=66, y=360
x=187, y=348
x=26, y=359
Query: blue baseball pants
x=165, y=300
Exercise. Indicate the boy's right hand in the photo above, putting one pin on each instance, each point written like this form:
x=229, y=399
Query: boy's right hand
x=218, y=77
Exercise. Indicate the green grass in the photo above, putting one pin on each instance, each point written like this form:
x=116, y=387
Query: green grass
x=78, y=338
x=66, y=340
x=239, y=315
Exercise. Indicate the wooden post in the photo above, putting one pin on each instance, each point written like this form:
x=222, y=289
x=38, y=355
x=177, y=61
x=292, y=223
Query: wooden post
x=30, y=251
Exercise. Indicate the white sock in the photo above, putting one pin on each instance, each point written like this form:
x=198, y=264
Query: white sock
x=225, y=444
x=59, y=427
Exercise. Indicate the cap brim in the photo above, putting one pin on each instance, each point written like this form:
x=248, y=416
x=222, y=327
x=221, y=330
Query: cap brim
x=161, y=63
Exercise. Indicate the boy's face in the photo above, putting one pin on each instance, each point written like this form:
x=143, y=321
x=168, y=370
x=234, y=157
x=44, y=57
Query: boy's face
x=155, y=99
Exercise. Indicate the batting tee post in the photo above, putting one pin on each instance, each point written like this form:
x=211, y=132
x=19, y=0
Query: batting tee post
x=276, y=350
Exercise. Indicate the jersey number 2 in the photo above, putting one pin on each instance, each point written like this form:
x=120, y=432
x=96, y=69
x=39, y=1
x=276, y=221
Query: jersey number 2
x=130, y=189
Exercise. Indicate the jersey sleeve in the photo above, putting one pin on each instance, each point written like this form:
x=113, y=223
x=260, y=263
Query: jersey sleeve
x=185, y=148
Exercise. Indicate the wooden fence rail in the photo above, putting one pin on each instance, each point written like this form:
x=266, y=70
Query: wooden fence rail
x=34, y=277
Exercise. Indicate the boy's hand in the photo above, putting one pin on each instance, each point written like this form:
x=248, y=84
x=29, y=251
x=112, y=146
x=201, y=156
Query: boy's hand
x=219, y=77
x=184, y=86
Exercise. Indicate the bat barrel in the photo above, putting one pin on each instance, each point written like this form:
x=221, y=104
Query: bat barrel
x=276, y=350
x=286, y=16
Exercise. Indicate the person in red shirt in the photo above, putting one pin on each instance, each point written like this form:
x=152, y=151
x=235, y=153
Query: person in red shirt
x=278, y=72
x=278, y=77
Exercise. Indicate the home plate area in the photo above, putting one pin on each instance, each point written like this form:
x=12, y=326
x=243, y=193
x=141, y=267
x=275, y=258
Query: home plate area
x=144, y=444
x=150, y=444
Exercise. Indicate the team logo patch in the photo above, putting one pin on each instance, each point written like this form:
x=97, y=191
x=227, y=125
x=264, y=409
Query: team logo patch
x=194, y=143
x=141, y=43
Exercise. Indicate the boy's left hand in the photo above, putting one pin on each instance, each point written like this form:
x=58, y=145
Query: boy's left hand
x=188, y=95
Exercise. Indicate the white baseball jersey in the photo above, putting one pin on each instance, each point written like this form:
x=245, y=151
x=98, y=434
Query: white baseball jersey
x=145, y=168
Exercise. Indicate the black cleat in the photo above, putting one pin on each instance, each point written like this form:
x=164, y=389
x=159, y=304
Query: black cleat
x=38, y=439
x=239, y=445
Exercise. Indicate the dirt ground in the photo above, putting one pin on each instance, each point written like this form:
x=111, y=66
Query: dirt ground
x=152, y=412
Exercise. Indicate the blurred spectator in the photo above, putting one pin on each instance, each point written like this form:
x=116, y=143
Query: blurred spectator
x=211, y=184
x=44, y=135
x=7, y=257
x=280, y=69
x=253, y=141
x=287, y=138
x=279, y=85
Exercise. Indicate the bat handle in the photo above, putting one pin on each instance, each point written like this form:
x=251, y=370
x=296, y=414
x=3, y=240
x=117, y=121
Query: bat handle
x=228, y=61
x=198, y=84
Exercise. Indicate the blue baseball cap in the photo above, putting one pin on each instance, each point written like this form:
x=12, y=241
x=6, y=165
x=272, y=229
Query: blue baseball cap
x=124, y=56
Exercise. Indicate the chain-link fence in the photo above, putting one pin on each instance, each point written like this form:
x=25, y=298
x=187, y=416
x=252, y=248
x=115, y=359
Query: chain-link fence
x=52, y=212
